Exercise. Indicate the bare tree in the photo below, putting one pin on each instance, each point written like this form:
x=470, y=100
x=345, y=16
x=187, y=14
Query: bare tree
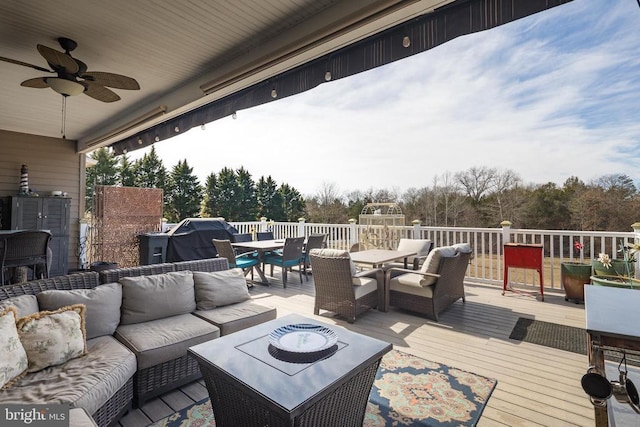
x=477, y=182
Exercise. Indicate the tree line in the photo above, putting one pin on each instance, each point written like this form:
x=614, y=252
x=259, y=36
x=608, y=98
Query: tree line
x=477, y=197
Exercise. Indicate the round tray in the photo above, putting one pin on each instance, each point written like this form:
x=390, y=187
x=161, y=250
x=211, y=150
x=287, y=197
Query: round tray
x=303, y=338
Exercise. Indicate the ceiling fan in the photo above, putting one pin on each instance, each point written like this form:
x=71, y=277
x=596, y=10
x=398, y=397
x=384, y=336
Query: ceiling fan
x=72, y=77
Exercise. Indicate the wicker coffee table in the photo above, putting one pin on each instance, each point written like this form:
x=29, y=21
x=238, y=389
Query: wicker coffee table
x=251, y=385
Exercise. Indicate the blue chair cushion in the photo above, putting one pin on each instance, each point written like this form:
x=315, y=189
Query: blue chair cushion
x=277, y=260
x=246, y=262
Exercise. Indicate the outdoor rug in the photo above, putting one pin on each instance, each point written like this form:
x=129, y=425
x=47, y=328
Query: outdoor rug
x=562, y=337
x=407, y=391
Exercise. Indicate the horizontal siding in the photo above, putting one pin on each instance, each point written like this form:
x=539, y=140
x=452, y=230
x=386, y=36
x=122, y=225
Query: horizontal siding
x=53, y=165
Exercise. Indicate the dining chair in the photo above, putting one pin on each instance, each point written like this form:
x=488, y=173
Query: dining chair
x=421, y=247
x=340, y=288
x=241, y=237
x=245, y=261
x=265, y=235
x=28, y=248
x=291, y=256
x=314, y=241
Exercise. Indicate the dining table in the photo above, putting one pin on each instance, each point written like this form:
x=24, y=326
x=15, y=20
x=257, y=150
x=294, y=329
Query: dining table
x=261, y=247
x=376, y=258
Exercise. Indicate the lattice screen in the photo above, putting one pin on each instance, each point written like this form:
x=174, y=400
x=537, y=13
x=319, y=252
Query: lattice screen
x=120, y=214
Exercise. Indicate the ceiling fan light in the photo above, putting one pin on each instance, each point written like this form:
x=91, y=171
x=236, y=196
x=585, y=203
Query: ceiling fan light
x=65, y=87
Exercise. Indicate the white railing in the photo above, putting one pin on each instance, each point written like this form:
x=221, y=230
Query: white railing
x=487, y=265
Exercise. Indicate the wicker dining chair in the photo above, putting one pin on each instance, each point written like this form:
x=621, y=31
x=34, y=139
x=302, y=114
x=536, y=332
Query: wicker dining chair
x=314, y=241
x=339, y=288
x=28, y=248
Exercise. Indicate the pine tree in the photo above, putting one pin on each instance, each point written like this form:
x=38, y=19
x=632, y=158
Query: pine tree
x=126, y=172
x=246, y=200
x=292, y=202
x=210, y=203
x=150, y=172
x=104, y=172
x=183, y=194
x=270, y=202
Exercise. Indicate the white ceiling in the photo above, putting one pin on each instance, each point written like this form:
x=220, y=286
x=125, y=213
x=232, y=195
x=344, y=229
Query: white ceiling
x=171, y=48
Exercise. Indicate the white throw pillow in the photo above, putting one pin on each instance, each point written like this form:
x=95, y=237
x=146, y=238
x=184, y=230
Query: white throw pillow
x=13, y=358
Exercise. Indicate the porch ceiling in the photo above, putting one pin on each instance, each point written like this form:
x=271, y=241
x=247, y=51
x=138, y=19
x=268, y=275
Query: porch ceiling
x=175, y=50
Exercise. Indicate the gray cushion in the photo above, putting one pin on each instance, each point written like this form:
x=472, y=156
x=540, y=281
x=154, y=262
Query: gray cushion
x=155, y=297
x=219, y=288
x=335, y=253
x=78, y=417
x=233, y=318
x=87, y=382
x=161, y=340
x=102, y=315
x=463, y=248
x=24, y=304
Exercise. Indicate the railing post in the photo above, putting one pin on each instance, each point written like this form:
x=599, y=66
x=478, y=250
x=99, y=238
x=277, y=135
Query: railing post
x=416, y=228
x=353, y=233
x=301, y=222
x=636, y=241
x=506, y=231
x=263, y=224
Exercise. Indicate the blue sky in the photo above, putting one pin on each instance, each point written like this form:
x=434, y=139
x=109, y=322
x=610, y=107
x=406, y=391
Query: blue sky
x=550, y=96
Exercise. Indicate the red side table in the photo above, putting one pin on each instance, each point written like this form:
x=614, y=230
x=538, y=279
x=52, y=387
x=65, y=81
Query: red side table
x=520, y=255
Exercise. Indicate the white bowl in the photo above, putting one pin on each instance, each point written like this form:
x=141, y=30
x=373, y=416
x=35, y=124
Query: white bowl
x=56, y=193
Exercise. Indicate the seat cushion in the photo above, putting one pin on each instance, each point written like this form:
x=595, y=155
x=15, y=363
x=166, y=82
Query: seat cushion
x=235, y=317
x=158, y=341
x=102, y=303
x=366, y=286
x=78, y=417
x=173, y=294
x=422, y=291
x=87, y=382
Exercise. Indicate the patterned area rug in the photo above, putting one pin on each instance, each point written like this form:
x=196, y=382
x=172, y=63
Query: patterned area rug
x=407, y=391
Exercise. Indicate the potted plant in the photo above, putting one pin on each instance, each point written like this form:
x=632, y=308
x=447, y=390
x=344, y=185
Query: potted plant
x=574, y=275
x=621, y=274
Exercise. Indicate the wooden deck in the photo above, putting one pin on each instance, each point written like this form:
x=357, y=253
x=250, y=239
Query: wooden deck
x=537, y=386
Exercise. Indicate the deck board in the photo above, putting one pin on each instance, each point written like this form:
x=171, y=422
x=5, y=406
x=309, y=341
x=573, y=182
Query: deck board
x=537, y=386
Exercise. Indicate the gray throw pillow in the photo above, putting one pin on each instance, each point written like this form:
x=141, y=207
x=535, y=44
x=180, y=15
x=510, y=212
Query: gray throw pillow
x=157, y=296
x=25, y=304
x=220, y=288
x=102, y=314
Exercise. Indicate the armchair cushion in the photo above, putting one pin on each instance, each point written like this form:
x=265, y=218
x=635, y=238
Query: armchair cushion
x=173, y=294
x=336, y=253
x=102, y=302
x=420, y=246
x=220, y=288
x=365, y=286
x=463, y=248
x=432, y=263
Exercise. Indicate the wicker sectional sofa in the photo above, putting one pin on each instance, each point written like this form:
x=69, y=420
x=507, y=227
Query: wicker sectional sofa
x=139, y=323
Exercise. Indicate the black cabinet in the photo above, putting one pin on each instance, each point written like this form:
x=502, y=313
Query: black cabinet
x=45, y=213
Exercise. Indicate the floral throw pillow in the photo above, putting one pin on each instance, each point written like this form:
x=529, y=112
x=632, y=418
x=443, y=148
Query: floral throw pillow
x=13, y=359
x=52, y=337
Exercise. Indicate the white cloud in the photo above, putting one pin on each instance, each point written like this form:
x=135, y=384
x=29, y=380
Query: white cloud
x=550, y=96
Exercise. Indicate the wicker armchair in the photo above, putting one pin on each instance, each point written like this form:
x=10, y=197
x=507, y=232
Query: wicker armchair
x=426, y=292
x=339, y=288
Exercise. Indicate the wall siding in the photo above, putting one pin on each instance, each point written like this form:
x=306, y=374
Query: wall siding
x=53, y=165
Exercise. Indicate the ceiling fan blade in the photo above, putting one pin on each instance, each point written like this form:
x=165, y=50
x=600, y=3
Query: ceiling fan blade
x=112, y=80
x=99, y=92
x=58, y=59
x=38, y=83
x=25, y=64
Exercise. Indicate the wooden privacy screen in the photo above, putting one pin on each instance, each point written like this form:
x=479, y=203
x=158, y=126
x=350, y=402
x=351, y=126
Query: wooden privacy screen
x=120, y=214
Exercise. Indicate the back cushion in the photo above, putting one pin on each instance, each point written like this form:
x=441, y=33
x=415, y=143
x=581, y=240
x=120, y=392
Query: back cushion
x=432, y=263
x=158, y=296
x=335, y=253
x=219, y=288
x=419, y=246
x=24, y=304
x=103, y=302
